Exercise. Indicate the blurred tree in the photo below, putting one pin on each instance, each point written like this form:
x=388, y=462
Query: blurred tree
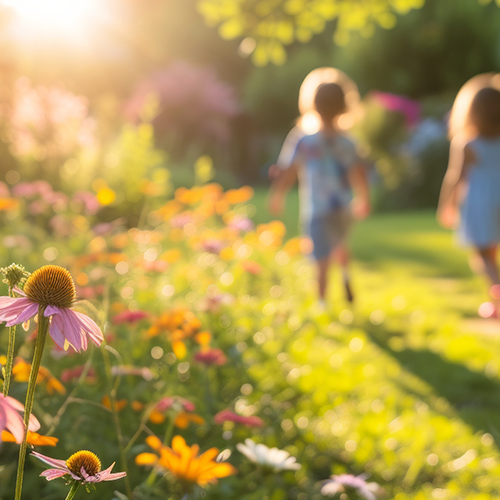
x=267, y=26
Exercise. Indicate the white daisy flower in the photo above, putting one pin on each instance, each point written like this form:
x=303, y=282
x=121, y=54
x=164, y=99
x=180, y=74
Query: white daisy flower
x=273, y=458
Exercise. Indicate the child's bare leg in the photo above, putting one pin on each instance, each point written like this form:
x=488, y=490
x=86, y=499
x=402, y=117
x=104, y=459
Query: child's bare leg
x=488, y=258
x=343, y=257
x=323, y=265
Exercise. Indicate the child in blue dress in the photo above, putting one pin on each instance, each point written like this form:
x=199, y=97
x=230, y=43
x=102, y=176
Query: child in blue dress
x=470, y=195
x=327, y=166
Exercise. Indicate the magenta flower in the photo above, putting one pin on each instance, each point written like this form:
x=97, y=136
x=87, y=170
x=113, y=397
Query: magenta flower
x=11, y=420
x=211, y=357
x=229, y=416
x=129, y=317
x=83, y=466
x=51, y=290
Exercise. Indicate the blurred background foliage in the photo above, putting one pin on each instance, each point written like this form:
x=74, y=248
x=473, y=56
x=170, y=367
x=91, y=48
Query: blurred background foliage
x=221, y=77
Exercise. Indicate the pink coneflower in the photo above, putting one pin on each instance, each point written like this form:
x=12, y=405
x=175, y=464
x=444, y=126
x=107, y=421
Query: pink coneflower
x=129, y=317
x=11, y=420
x=211, y=357
x=83, y=466
x=229, y=416
x=51, y=289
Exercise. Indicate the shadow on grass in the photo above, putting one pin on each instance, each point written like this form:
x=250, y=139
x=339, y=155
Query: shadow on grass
x=475, y=397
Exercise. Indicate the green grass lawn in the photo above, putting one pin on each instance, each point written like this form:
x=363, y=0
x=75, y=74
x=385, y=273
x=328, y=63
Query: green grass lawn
x=411, y=372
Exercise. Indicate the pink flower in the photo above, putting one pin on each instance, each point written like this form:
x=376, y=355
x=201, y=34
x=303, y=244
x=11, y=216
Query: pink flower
x=211, y=357
x=241, y=223
x=129, y=317
x=212, y=246
x=74, y=373
x=343, y=482
x=229, y=416
x=82, y=466
x=215, y=302
x=159, y=266
x=51, y=290
x=11, y=420
x=165, y=403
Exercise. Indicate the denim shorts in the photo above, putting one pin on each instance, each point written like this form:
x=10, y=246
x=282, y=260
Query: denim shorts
x=328, y=231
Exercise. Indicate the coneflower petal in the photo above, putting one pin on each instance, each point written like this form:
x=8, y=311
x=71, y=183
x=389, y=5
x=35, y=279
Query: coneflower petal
x=56, y=332
x=53, y=462
x=72, y=329
x=11, y=308
x=90, y=327
x=28, y=313
x=51, y=474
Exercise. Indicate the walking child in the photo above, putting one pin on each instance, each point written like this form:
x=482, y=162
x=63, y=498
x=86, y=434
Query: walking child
x=470, y=195
x=328, y=168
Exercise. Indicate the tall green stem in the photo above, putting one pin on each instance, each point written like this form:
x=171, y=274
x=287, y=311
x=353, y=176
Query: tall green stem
x=73, y=490
x=10, y=360
x=119, y=435
x=43, y=327
x=10, y=355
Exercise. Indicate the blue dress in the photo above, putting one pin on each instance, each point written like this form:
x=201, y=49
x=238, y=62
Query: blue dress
x=480, y=218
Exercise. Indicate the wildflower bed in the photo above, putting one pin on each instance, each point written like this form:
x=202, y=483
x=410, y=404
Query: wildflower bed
x=212, y=338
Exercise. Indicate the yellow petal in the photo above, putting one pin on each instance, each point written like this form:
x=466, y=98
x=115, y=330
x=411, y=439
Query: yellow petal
x=154, y=443
x=146, y=459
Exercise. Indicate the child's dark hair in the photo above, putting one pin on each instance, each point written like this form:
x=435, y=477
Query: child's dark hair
x=485, y=111
x=329, y=101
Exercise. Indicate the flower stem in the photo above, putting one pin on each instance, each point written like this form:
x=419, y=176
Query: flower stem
x=43, y=327
x=116, y=418
x=10, y=360
x=10, y=355
x=73, y=490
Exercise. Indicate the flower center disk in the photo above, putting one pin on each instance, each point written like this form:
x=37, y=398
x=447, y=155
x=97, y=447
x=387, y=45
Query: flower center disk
x=51, y=286
x=86, y=459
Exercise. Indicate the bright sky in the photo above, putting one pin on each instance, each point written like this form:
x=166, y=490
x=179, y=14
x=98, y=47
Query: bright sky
x=54, y=17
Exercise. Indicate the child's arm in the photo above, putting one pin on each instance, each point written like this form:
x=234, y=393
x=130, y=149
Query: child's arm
x=461, y=157
x=358, y=179
x=280, y=187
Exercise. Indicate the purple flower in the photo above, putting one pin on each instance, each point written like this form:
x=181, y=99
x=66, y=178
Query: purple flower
x=83, y=466
x=346, y=482
x=51, y=289
x=11, y=420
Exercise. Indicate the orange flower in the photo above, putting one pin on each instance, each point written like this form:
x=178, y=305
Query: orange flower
x=188, y=196
x=34, y=439
x=241, y=195
x=179, y=324
x=251, y=267
x=137, y=406
x=21, y=373
x=120, y=405
x=183, y=420
x=170, y=209
x=7, y=204
x=184, y=463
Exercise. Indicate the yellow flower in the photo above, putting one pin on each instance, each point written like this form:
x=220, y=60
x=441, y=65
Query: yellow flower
x=184, y=463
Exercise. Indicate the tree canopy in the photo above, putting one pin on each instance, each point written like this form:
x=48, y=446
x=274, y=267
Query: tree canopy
x=267, y=27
